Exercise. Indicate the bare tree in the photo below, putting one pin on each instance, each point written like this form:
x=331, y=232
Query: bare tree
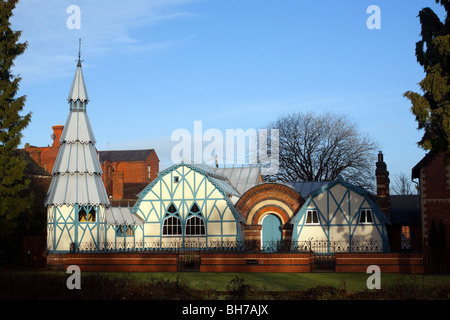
x=321, y=147
x=402, y=185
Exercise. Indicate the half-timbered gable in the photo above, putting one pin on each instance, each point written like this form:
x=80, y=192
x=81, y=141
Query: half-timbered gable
x=342, y=214
x=188, y=206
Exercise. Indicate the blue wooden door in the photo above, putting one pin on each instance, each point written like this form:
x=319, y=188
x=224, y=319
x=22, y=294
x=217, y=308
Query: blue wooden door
x=271, y=232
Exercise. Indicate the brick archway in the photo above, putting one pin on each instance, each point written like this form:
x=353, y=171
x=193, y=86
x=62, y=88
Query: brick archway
x=265, y=199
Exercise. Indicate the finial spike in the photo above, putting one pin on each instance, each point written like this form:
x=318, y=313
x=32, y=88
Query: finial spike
x=79, y=53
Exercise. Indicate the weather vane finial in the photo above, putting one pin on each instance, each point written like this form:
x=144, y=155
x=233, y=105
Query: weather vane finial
x=79, y=53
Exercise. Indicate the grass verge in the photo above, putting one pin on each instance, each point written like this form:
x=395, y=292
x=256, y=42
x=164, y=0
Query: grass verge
x=218, y=286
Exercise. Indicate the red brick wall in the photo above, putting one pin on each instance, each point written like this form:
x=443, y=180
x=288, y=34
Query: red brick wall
x=435, y=195
x=117, y=185
x=276, y=262
x=44, y=156
x=133, y=172
x=137, y=171
x=388, y=262
x=237, y=262
x=132, y=262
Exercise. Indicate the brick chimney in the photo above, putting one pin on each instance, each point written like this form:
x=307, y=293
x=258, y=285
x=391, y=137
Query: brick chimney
x=57, y=131
x=382, y=185
x=117, y=179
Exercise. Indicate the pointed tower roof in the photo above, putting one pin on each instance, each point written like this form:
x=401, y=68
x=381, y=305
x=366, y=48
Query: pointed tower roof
x=78, y=90
x=77, y=173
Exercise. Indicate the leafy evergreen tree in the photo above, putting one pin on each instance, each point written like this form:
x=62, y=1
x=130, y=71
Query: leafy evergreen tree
x=432, y=108
x=14, y=196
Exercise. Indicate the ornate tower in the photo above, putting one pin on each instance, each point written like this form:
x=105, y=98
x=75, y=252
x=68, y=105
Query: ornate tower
x=76, y=199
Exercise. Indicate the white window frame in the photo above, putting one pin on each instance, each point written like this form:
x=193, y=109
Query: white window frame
x=363, y=217
x=172, y=224
x=197, y=224
x=312, y=213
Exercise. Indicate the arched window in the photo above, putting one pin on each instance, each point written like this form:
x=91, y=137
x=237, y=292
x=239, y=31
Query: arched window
x=172, y=222
x=195, y=225
x=87, y=214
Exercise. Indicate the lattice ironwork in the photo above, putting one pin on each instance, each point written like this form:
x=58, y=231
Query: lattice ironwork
x=312, y=246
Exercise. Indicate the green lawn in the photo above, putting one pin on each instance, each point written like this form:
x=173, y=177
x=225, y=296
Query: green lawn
x=291, y=281
x=172, y=286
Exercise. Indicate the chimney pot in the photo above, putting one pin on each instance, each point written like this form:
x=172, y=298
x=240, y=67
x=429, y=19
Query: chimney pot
x=57, y=131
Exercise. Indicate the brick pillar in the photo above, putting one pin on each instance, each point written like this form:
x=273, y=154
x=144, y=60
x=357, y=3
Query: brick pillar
x=252, y=235
x=287, y=232
x=57, y=131
x=117, y=178
x=382, y=185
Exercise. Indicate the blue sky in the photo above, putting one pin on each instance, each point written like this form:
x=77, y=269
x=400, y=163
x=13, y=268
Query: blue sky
x=152, y=67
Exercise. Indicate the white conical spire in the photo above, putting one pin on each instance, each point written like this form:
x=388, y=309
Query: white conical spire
x=78, y=90
x=77, y=173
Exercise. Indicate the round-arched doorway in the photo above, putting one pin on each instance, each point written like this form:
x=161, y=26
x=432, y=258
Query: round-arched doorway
x=271, y=233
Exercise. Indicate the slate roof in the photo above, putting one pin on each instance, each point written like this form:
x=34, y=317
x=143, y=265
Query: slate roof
x=125, y=155
x=405, y=209
x=305, y=188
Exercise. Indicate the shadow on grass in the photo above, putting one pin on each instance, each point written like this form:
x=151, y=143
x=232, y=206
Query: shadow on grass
x=52, y=286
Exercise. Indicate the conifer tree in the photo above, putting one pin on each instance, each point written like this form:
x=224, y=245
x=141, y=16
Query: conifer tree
x=14, y=196
x=432, y=108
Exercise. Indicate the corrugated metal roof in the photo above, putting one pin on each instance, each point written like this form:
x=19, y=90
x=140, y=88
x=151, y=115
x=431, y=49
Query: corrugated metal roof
x=122, y=216
x=70, y=189
x=77, y=172
x=242, y=178
x=77, y=129
x=225, y=186
x=77, y=157
x=78, y=90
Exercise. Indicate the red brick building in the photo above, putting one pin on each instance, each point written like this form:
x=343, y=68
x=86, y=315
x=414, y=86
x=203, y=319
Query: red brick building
x=403, y=212
x=45, y=156
x=125, y=172
x=434, y=186
x=128, y=172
